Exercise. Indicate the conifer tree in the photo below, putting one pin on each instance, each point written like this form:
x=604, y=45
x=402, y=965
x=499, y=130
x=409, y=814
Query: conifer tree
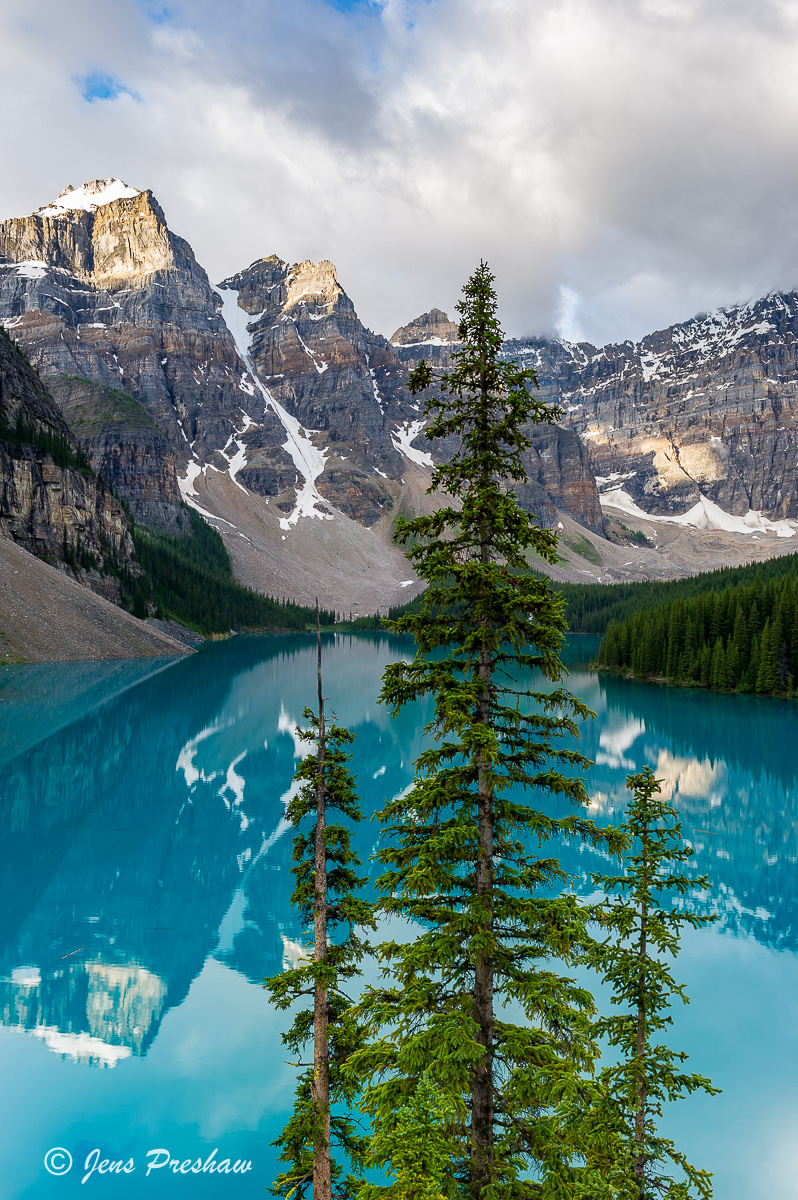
x=415, y=1148
x=326, y=894
x=644, y=931
x=767, y=676
x=468, y=859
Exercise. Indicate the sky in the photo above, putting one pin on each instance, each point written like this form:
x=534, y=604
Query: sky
x=620, y=164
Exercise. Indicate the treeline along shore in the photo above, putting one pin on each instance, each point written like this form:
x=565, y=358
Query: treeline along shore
x=734, y=630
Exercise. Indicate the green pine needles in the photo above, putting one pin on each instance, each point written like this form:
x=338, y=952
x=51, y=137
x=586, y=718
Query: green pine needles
x=474, y=999
x=633, y=961
x=326, y=895
x=474, y=1058
x=417, y=1144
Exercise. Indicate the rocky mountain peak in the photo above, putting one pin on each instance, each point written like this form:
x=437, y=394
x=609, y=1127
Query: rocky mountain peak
x=103, y=233
x=121, y=321
x=88, y=197
x=310, y=281
x=432, y=328
x=702, y=413
x=270, y=404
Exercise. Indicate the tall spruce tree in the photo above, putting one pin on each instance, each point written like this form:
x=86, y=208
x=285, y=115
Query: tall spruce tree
x=469, y=861
x=644, y=931
x=326, y=894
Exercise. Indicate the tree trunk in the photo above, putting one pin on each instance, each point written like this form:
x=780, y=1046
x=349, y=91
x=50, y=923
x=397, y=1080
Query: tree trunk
x=482, y=1084
x=482, y=1115
x=322, y=1181
x=640, y=1049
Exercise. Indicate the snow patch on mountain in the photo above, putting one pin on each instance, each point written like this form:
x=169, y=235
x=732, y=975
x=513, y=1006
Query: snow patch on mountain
x=650, y=364
x=88, y=197
x=189, y=492
x=431, y=341
x=602, y=481
x=374, y=387
x=402, y=439
x=307, y=458
x=30, y=269
x=320, y=367
x=186, y=485
x=705, y=514
x=239, y=459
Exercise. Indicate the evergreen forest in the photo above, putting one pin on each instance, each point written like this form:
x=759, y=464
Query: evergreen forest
x=190, y=579
x=591, y=607
x=742, y=637
x=43, y=437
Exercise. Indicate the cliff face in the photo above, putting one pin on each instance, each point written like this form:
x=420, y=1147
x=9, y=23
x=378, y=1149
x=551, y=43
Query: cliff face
x=42, y=502
x=301, y=337
x=299, y=334
x=559, y=473
x=124, y=445
x=560, y=477
x=707, y=407
x=431, y=328
x=271, y=379
x=265, y=400
x=99, y=288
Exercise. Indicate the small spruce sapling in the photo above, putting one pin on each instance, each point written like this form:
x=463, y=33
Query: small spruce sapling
x=414, y=1146
x=633, y=960
x=326, y=894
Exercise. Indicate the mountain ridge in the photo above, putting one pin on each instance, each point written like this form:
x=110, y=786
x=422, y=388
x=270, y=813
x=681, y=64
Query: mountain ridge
x=277, y=414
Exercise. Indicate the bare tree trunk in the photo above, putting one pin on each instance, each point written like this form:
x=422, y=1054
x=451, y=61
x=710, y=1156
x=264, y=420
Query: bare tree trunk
x=322, y=1180
x=482, y=1114
x=640, y=1049
x=482, y=1084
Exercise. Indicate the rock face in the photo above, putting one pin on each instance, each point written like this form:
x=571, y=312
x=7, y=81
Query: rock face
x=97, y=286
x=559, y=474
x=707, y=407
x=41, y=502
x=559, y=477
x=302, y=339
x=124, y=445
x=272, y=379
x=268, y=390
x=429, y=329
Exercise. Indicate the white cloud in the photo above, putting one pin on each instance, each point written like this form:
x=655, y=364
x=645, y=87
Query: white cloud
x=620, y=163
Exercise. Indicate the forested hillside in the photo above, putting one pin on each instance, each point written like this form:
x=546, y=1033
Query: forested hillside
x=594, y=607
x=742, y=637
x=190, y=579
x=591, y=607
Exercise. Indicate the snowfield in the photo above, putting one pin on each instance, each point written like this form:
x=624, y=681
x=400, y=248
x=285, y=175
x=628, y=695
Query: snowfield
x=705, y=514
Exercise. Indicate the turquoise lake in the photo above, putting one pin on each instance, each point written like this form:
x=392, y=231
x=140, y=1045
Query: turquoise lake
x=145, y=867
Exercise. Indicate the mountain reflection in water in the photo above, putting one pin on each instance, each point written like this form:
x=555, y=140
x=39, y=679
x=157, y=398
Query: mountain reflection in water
x=146, y=848
x=728, y=765
x=149, y=834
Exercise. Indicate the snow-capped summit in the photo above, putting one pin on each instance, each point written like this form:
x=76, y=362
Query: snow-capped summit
x=88, y=197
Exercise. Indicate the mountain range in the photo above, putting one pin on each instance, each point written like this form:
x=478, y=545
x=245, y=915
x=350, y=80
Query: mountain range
x=266, y=404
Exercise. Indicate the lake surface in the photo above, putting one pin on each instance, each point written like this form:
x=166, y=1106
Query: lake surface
x=145, y=869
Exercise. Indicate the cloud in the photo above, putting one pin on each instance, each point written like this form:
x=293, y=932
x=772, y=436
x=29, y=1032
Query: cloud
x=620, y=163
